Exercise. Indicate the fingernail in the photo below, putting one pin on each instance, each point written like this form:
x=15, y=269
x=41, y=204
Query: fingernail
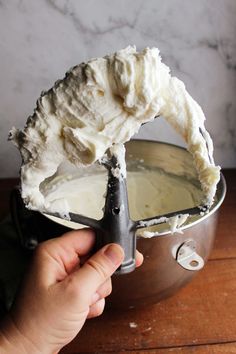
x=115, y=253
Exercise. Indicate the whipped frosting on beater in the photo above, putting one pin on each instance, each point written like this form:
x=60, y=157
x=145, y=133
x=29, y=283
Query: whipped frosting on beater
x=101, y=104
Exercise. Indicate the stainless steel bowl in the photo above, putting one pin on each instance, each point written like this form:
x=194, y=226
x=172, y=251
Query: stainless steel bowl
x=162, y=273
x=171, y=260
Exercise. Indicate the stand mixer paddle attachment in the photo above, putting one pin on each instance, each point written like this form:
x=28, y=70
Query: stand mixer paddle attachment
x=116, y=226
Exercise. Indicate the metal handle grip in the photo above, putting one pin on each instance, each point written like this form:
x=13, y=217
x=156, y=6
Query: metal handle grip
x=116, y=226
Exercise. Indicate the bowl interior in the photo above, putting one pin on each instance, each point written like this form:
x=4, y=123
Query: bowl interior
x=144, y=158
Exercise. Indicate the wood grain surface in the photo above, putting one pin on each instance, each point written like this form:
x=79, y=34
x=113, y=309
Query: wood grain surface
x=201, y=318
x=202, y=313
x=227, y=348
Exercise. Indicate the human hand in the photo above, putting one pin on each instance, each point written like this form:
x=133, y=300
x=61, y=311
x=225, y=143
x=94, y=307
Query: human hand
x=63, y=288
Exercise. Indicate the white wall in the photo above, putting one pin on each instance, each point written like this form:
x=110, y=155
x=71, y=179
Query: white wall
x=40, y=40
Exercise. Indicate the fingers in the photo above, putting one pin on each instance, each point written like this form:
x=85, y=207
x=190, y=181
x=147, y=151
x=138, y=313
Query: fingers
x=103, y=291
x=76, y=241
x=96, y=309
x=106, y=288
x=139, y=259
x=98, y=269
x=58, y=257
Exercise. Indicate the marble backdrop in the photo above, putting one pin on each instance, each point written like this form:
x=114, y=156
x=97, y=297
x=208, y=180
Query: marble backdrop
x=40, y=40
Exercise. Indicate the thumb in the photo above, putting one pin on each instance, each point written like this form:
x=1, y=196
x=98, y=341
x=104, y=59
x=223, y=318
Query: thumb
x=99, y=268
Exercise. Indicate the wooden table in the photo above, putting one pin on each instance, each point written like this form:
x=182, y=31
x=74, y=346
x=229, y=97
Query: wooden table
x=201, y=318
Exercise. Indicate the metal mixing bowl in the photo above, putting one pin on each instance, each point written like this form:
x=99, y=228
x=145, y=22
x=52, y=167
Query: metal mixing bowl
x=171, y=260
x=161, y=274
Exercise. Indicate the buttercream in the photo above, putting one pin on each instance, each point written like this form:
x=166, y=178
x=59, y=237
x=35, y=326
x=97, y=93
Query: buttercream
x=103, y=103
x=150, y=193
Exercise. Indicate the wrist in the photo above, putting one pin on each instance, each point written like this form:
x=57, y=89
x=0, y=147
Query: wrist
x=12, y=340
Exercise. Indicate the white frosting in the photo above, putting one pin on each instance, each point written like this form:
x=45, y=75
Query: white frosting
x=175, y=222
x=103, y=103
x=150, y=193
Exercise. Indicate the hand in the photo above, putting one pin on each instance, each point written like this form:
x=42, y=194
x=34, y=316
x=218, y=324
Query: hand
x=63, y=288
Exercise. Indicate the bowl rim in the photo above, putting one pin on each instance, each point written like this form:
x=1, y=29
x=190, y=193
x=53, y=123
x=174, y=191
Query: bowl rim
x=221, y=192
